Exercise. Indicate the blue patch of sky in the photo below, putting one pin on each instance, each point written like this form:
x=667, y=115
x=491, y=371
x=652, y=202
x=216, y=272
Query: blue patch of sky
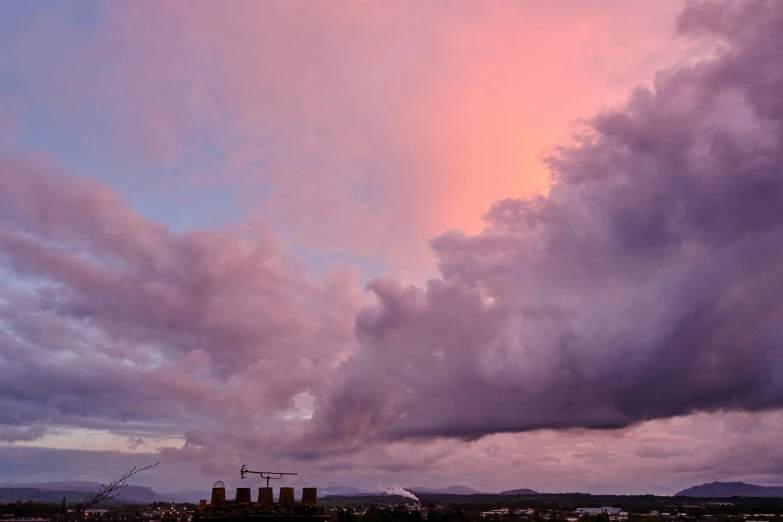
x=159, y=193
x=83, y=14
x=21, y=282
x=80, y=142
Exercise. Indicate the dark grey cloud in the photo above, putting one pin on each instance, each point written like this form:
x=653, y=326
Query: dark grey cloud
x=134, y=443
x=21, y=433
x=645, y=285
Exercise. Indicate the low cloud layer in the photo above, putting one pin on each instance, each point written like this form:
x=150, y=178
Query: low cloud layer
x=646, y=285
x=656, y=457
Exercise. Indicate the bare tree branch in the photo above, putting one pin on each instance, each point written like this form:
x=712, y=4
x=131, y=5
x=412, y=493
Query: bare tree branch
x=108, y=491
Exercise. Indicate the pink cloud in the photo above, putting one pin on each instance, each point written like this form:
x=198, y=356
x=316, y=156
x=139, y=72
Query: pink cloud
x=164, y=327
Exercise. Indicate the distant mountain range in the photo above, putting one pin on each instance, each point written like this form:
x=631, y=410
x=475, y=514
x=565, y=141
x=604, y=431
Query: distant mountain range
x=77, y=491
x=9, y=495
x=519, y=492
x=731, y=489
x=451, y=490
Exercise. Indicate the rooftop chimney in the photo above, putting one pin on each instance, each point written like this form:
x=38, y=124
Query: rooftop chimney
x=310, y=496
x=265, y=496
x=243, y=496
x=286, y=497
x=218, y=494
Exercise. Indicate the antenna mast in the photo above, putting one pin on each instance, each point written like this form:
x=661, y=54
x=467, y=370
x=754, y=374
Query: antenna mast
x=264, y=474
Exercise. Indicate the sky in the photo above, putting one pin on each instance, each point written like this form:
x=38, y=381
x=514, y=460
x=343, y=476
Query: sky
x=509, y=244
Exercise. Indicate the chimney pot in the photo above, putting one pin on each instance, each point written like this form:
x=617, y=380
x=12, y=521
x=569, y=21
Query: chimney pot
x=286, y=497
x=265, y=496
x=310, y=496
x=243, y=496
x=218, y=494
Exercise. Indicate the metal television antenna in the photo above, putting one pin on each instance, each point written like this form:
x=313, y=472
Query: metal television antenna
x=264, y=474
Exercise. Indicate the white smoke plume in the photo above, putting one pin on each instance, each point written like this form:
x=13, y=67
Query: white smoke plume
x=396, y=490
